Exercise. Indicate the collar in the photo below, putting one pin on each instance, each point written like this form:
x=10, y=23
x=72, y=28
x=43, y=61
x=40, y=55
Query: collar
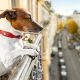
x=10, y=35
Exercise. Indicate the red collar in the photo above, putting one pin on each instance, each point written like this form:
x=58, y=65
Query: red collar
x=10, y=35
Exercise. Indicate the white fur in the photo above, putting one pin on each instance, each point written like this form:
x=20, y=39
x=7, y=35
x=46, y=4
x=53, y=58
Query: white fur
x=11, y=48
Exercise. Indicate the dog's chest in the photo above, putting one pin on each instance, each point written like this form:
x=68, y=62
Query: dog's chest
x=9, y=44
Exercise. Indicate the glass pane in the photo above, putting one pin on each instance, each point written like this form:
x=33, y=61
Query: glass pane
x=13, y=3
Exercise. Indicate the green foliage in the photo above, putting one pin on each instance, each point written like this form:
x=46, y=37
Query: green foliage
x=72, y=26
x=30, y=41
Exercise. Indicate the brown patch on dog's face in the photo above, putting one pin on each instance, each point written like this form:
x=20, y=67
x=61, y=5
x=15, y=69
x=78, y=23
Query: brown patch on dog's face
x=20, y=20
x=24, y=22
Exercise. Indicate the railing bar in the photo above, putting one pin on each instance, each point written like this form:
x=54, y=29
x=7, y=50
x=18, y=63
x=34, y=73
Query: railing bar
x=29, y=70
x=38, y=39
x=32, y=33
x=17, y=70
x=24, y=70
x=20, y=71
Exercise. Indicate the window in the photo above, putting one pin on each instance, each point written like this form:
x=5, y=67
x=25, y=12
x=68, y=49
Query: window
x=15, y=3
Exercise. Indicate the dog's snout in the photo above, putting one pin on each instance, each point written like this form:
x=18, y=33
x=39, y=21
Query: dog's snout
x=41, y=28
x=36, y=27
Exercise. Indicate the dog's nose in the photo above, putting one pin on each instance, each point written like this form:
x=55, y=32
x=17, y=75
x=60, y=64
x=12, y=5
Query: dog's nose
x=37, y=27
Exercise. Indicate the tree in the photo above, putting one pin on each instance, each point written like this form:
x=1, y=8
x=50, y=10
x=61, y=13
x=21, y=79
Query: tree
x=60, y=25
x=72, y=26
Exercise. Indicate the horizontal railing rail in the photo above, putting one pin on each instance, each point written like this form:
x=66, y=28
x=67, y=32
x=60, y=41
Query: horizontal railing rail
x=23, y=70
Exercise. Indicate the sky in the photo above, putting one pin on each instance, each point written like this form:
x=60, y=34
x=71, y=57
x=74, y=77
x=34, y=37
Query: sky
x=65, y=7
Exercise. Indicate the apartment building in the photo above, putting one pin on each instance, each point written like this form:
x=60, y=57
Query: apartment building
x=44, y=17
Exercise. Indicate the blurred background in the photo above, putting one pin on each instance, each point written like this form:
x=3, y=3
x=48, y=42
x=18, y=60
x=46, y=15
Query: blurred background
x=56, y=27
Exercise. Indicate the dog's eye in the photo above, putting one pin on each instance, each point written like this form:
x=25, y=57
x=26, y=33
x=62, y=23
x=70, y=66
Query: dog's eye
x=28, y=17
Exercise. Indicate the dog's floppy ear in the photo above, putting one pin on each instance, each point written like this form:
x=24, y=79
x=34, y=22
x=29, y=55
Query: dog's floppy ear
x=9, y=14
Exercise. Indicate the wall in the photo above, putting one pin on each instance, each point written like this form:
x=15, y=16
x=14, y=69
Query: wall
x=5, y=4
x=76, y=18
x=40, y=13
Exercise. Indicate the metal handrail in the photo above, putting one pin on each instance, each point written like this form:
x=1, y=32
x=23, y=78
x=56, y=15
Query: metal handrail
x=23, y=70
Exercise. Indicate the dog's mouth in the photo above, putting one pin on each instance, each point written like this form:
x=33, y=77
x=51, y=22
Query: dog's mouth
x=35, y=29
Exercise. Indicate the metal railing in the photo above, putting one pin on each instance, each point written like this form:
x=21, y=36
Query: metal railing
x=28, y=66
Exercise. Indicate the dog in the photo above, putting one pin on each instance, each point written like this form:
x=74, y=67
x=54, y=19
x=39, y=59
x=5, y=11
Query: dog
x=12, y=24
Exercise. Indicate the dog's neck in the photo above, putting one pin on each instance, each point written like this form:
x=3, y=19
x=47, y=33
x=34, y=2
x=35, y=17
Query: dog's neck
x=5, y=25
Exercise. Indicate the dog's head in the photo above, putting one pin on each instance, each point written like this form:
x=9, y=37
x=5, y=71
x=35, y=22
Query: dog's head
x=20, y=20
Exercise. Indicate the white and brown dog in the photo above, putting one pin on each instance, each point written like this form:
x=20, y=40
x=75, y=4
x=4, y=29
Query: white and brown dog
x=12, y=24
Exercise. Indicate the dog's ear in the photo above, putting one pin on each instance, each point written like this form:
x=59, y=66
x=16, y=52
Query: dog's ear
x=9, y=14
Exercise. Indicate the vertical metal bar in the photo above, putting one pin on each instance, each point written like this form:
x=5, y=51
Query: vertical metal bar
x=38, y=39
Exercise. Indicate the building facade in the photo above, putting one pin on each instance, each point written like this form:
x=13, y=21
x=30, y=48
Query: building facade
x=42, y=14
x=76, y=17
